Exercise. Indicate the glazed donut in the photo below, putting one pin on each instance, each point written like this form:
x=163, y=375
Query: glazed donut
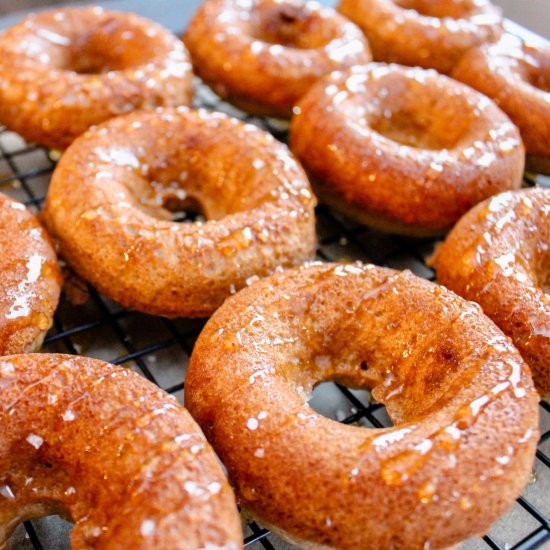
x=65, y=70
x=109, y=450
x=30, y=279
x=403, y=149
x=263, y=55
x=498, y=255
x=433, y=35
x=112, y=196
x=451, y=382
x=517, y=77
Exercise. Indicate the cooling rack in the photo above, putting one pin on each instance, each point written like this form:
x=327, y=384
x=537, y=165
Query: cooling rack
x=159, y=349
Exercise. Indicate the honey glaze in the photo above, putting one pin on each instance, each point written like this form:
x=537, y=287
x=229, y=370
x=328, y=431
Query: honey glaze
x=138, y=454
x=451, y=382
x=497, y=255
x=516, y=75
x=29, y=276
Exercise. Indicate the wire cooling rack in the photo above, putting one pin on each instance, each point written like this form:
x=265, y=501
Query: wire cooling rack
x=159, y=349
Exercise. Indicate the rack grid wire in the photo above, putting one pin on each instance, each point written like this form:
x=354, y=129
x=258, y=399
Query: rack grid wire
x=160, y=348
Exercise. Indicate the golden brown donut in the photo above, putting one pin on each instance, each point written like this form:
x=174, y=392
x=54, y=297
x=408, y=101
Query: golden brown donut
x=112, y=197
x=516, y=76
x=65, y=70
x=263, y=55
x=403, y=149
x=30, y=279
x=112, y=452
x=460, y=396
x=427, y=33
x=498, y=255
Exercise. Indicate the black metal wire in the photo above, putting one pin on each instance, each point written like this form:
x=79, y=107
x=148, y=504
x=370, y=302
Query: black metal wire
x=99, y=319
x=33, y=536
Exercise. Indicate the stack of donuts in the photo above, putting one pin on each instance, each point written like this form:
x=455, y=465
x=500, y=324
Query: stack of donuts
x=413, y=117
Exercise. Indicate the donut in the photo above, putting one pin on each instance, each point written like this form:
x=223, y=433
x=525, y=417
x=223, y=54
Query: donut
x=498, y=255
x=112, y=452
x=516, y=76
x=263, y=55
x=113, y=196
x=424, y=33
x=460, y=396
x=404, y=150
x=30, y=279
x=66, y=70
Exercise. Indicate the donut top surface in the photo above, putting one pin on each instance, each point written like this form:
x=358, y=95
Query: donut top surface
x=514, y=58
x=451, y=15
x=414, y=147
x=266, y=53
x=418, y=109
x=459, y=394
x=152, y=165
x=30, y=279
x=90, y=41
x=115, y=192
x=114, y=453
x=431, y=34
x=516, y=75
x=308, y=30
x=294, y=25
x=65, y=70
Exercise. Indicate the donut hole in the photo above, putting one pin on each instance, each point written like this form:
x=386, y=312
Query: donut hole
x=186, y=210
x=90, y=63
x=293, y=26
x=440, y=9
x=421, y=119
x=333, y=402
x=100, y=44
x=102, y=50
x=172, y=202
x=53, y=523
x=409, y=131
x=417, y=129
